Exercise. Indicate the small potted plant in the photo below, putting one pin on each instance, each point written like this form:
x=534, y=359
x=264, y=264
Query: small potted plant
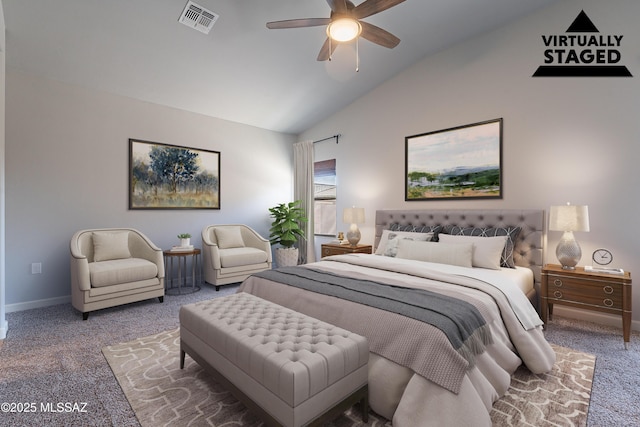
x=286, y=229
x=185, y=239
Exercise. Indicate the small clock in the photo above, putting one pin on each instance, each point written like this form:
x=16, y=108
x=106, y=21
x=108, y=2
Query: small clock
x=602, y=256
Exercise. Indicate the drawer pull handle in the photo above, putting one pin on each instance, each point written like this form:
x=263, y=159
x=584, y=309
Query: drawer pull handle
x=608, y=290
x=557, y=282
x=608, y=302
x=557, y=294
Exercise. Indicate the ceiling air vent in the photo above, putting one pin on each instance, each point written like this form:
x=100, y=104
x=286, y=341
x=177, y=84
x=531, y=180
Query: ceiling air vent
x=197, y=17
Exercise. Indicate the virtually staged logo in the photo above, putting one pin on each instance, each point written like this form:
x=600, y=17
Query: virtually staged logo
x=582, y=52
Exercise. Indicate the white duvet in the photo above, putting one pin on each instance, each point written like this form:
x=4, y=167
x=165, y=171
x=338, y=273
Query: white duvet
x=510, y=281
x=395, y=391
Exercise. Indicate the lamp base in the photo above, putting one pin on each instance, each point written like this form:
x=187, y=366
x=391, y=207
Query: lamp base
x=568, y=251
x=353, y=235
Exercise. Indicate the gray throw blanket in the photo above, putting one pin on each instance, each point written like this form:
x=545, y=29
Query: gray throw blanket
x=461, y=322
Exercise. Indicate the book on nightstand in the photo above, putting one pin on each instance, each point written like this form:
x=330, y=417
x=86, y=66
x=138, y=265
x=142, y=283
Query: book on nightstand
x=181, y=248
x=604, y=270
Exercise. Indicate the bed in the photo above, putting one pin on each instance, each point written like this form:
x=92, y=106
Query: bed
x=446, y=362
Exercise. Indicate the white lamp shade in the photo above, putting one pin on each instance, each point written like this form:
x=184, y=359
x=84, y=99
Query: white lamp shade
x=569, y=218
x=353, y=215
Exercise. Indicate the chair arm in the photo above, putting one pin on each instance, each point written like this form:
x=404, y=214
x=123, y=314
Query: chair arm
x=253, y=239
x=80, y=277
x=142, y=247
x=74, y=247
x=211, y=252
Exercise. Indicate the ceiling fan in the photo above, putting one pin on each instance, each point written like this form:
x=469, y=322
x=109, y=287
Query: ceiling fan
x=344, y=24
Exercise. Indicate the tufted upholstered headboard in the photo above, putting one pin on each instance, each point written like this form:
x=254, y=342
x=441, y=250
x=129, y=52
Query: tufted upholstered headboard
x=529, y=247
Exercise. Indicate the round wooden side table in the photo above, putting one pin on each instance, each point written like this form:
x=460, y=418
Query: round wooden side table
x=181, y=256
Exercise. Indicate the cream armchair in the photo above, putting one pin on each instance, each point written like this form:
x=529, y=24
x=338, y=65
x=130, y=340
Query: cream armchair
x=232, y=252
x=114, y=266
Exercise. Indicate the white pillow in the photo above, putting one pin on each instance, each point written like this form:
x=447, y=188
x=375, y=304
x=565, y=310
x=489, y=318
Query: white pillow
x=487, y=251
x=444, y=253
x=229, y=237
x=108, y=245
x=389, y=240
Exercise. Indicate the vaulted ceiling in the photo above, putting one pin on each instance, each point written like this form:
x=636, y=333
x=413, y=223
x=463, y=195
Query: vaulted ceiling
x=241, y=71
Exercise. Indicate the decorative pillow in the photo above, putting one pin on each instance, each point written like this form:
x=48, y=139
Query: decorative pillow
x=108, y=245
x=388, y=235
x=444, y=253
x=229, y=237
x=392, y=242
x=487, y=251
x=511, y=232
x=416, y=228
x=435, y=229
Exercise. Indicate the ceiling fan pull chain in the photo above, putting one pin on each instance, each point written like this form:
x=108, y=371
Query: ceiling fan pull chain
x=330, y=50
x=357, y=54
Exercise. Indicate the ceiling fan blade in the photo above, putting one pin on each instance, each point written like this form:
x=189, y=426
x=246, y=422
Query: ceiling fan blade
x=378, y=36
x=338, y=6
x=324, y=50
x=371, y=7
x=298, y=23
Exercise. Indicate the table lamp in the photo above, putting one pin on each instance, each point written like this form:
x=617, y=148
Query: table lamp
x=353, y=216
x=568, y=218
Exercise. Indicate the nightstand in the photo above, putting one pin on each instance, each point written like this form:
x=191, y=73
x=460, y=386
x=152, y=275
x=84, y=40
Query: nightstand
x=338, y=249
x=607, y=293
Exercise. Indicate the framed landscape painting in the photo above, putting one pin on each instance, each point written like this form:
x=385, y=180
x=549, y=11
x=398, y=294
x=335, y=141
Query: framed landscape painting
x=163, y=176
x=464, y=162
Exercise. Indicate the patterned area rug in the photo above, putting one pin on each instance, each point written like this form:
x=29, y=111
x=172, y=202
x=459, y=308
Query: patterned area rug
x=558, y=398
x=162, y=394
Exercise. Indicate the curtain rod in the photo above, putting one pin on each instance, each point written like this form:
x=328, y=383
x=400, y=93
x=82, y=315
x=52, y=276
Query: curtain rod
x=337, y=137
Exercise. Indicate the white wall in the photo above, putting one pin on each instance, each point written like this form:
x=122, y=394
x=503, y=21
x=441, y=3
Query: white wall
x=565, y=139
x=67, y=158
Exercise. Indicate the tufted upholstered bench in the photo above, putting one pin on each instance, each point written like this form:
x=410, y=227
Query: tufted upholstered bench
x=290, y=368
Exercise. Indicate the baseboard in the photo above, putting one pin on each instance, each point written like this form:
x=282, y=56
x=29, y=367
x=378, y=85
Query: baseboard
x=595, y=317
x=21, y=306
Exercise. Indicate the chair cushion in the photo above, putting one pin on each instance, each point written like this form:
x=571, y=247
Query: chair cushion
x=108, y=245
x=235, y=257
x=115, y=272
x=229, y=237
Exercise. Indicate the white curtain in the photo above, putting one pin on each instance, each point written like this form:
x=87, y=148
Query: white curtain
x=303, y=190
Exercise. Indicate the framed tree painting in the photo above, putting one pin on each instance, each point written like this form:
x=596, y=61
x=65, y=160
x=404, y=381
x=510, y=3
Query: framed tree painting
x=463, y=162
x=163, y=176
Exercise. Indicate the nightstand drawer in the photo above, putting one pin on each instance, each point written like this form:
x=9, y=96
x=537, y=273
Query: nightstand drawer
x=329, y=249
x=591, y=287
x=604, y=302
x=594, y=292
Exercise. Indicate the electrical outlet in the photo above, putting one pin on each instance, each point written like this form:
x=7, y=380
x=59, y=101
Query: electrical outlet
x=36, y=268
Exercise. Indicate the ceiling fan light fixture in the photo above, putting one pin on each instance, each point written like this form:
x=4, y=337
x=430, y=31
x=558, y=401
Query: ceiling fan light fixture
x=344, y=29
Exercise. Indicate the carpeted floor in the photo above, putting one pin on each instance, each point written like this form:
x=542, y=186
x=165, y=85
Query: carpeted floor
x=52, y=361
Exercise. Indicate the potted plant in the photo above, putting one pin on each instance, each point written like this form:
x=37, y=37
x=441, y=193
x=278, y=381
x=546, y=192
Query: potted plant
x=185, y=239
x=286, y=229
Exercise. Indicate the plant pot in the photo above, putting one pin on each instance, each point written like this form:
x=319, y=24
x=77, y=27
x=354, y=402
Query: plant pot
x=185, y=242
x=286, y=257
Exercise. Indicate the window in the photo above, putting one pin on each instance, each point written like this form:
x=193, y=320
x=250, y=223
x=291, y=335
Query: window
x=324, y=179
